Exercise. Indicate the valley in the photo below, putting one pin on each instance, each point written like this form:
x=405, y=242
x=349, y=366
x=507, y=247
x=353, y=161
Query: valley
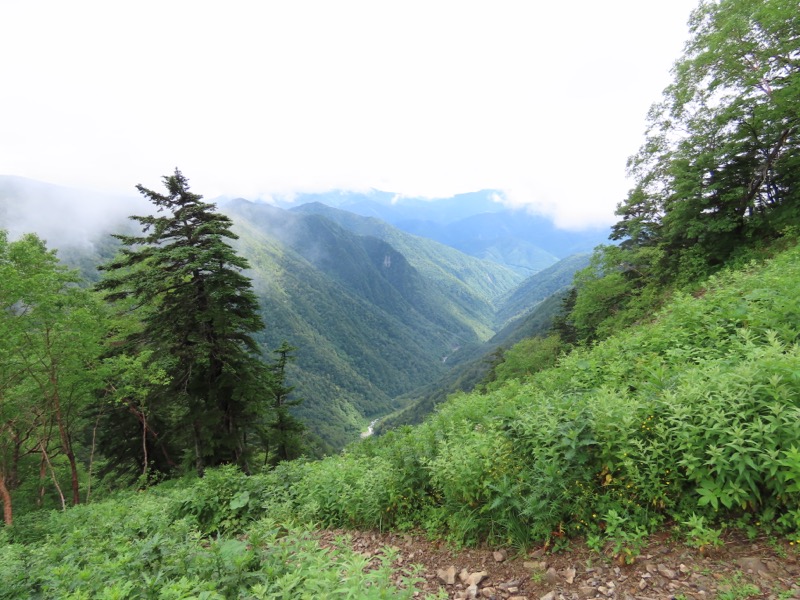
x=382, y=316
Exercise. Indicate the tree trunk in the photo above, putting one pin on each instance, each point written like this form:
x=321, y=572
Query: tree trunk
x=8, y=513
x=66, y=445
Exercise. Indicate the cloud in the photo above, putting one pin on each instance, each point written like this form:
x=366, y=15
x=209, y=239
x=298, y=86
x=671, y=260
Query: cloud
x=255, y=99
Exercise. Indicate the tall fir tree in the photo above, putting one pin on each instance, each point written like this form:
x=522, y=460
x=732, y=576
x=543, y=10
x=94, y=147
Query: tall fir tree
x=197, y=312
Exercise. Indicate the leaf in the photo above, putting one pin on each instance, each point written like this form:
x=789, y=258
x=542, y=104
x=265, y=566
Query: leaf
x=240, y=500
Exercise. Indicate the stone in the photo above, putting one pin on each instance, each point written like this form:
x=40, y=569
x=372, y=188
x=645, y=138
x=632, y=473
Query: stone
x=665, y=571
x=586, y=591
x=488, y=592
x=569, y=575
x=500, y=555
x=751, y=564
x=447, y=576
x=476, y=578
x=534, y=565
x=472, y=591
x=463, y=575
x=548, y=596
x=642, y=584
x=507, y=585
x=551, y=576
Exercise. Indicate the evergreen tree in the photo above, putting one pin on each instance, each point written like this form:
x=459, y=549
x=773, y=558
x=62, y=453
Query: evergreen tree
x=197, y=313
x=285, y=429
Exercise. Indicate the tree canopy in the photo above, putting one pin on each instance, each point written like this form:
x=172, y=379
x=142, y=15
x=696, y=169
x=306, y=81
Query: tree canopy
x=719, y=171
x=197, y=314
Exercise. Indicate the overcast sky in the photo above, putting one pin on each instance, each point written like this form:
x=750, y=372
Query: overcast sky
x=543, y=100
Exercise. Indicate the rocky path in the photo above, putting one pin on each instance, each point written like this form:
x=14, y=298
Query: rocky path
x=665, y=569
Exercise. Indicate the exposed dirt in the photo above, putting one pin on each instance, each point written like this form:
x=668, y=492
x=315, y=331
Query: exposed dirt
x=764, y=568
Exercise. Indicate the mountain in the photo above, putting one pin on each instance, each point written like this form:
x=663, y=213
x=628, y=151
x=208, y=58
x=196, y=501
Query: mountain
x=394, y=208
x=374, y=312
x=477, y=224
x=536, y=288
x=525, y=312
x=371, y=322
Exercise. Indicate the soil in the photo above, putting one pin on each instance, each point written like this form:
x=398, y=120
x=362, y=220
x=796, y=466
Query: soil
x=664, y=569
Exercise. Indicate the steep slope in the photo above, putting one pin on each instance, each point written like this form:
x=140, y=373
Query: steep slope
x=477, y=224
x=368, y=324
x=477, y=284
x=538, y=287
x=474, y=365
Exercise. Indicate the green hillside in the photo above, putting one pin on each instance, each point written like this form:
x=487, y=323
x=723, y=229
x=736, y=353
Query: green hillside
x=479, y=282
x=692, y=419
x=664, y=398
x=537, y=288
x=373, y=322
x=529, y=310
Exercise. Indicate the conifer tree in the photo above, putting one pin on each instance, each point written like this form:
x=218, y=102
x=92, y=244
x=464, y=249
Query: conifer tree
x=197, y=313
x=285, y=430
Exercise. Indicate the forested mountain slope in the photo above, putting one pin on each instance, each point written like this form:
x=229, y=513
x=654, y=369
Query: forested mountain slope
x=369, y=324
x=373, y=311
x=477, y=224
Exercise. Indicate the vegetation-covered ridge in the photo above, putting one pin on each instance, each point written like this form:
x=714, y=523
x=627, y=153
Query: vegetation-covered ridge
x=691, y=420
x=694, y=418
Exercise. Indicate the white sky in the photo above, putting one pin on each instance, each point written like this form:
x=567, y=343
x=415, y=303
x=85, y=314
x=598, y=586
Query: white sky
x=544, y=100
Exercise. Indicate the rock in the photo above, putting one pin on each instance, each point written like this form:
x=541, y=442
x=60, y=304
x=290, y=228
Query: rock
x=476, y=578
x=551, y=576
x=488, y=592
x=665, y=571
x=534, y=565
x=605, y=591
x=507, y=585
x=472, y=591
x=569, y=575
x=548, y=596
x=463, y=576
x=447, y=576
x=518, y=598
x=586, y=591
x=642, y=584
x=500, y=555
x=751, y=564
x=650, y=567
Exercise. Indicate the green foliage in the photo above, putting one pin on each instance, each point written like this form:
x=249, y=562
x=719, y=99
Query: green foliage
x=198, y=314
x=716, y=178
x=692, y=418
x=149, y=545
x=529, y=356
x=700, y=535
x=50, y=341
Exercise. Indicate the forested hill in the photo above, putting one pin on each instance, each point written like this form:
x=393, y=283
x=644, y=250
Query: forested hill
x=369, y=324
x=478, y=224
x=374, y=312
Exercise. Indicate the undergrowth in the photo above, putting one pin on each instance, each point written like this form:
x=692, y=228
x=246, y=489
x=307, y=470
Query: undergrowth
x=693, y=419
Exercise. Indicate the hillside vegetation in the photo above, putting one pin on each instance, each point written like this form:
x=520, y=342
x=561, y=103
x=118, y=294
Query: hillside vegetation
x=666, y=396
x=691, y=420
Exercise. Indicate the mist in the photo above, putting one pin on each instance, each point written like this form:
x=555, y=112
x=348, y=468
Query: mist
x=62, y=216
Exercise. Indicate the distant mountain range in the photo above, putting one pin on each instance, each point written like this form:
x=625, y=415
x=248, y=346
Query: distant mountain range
x=375, y=309
x=477, y=224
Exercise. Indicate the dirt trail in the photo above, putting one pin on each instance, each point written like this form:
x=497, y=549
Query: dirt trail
x=665, y=569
